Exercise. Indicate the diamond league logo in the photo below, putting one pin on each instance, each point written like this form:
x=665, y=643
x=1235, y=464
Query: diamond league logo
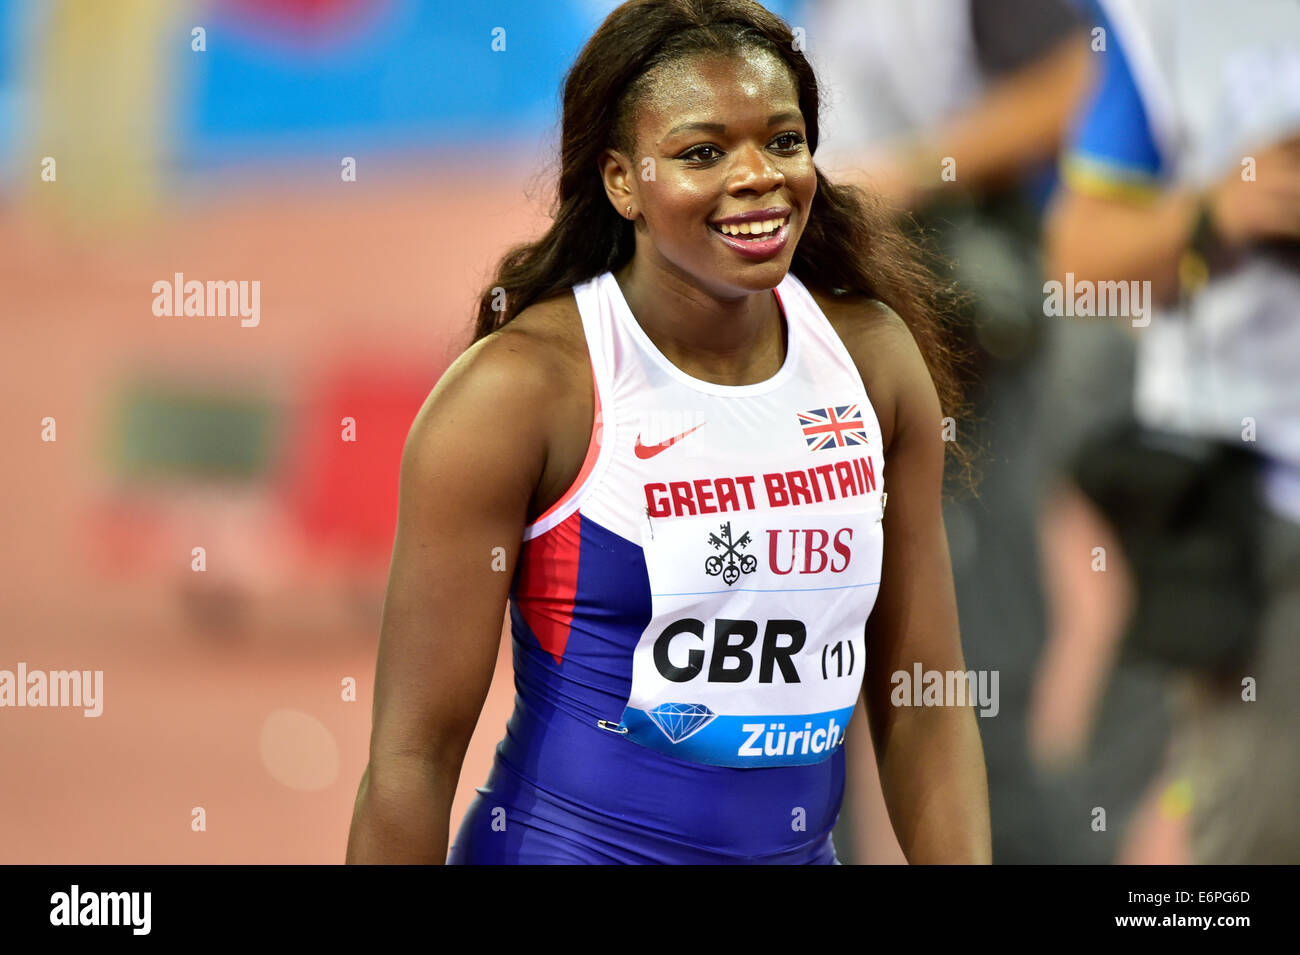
x=680, y=720
x=730, y=563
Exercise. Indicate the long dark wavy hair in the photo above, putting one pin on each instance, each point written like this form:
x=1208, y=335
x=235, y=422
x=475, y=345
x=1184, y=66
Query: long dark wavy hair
x=851, y=243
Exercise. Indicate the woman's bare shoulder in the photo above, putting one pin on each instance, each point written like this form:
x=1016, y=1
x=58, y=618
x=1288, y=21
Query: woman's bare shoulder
x=549, y=333
x=523, y=368
x=860, y=315
x=540, y=358
x=535, y=353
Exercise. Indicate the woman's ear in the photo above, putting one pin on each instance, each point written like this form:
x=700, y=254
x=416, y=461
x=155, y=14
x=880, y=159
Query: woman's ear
x=616, y=172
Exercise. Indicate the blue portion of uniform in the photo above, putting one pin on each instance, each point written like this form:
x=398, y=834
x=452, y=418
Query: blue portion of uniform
x=563, y=790
x=611, y=608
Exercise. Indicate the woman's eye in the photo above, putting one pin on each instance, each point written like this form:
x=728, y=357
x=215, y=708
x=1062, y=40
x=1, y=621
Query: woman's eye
x=786, y=142
x=695, y=153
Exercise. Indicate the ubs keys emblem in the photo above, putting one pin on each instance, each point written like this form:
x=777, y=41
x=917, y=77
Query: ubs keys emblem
x=731, y=563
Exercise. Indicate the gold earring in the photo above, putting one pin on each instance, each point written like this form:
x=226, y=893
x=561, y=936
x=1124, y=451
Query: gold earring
x=629, y=212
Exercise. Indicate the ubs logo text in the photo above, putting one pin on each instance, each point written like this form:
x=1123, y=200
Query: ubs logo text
x=812, y=544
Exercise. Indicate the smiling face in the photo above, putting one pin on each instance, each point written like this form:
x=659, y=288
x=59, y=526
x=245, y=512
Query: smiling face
x=727, y=139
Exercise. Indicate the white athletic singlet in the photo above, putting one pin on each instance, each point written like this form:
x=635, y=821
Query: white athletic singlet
x=704, y=585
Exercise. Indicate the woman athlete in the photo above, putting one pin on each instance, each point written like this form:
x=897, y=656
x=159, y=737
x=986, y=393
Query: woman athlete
x=667, y=449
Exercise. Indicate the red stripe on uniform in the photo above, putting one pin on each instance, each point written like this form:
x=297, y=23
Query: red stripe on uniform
x=547, y=584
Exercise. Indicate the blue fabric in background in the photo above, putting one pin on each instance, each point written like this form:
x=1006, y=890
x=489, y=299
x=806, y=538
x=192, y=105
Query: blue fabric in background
x=418, y=74
x=1113, y=127
x=398, y=75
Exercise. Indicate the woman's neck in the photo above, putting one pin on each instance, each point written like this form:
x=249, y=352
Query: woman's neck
x=729, y=341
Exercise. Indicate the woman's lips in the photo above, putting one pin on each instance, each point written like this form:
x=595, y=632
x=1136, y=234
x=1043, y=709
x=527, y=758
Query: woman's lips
x=756, y=249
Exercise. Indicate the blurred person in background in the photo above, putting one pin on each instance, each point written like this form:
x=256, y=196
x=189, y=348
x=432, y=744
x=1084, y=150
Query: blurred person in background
x=1184, y=172
x=955, y=110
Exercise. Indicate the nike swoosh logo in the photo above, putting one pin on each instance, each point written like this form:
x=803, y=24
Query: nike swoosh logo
x=644, y=451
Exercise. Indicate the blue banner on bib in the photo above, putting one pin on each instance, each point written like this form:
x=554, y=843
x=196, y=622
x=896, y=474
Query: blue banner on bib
x=693, y=732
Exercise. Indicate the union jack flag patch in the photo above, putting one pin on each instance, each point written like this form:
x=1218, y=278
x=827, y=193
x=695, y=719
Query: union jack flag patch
x=839, y=426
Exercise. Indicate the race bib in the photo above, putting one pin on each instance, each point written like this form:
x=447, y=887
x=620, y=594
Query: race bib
x=755, y=651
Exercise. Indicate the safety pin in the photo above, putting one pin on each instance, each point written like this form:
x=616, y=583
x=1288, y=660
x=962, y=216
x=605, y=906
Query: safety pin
x=612, y=727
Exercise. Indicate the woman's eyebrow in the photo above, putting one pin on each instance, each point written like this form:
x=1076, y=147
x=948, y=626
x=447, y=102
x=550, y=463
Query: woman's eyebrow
x=721, y=128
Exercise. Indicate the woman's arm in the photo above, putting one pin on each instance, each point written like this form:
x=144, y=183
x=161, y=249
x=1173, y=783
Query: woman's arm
x=931, y=758
x=471, y=463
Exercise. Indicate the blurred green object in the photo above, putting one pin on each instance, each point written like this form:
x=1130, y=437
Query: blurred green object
x=171, y=431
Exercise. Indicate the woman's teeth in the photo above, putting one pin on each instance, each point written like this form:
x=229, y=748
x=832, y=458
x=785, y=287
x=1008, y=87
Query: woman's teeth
x=753, y=229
